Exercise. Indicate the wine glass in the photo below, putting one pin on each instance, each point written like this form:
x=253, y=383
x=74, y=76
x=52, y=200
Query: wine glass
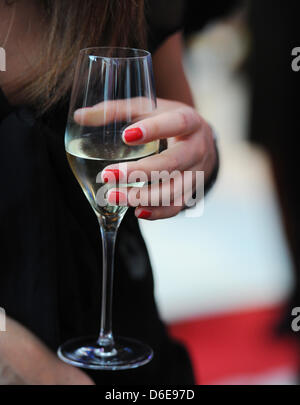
x=112, y=89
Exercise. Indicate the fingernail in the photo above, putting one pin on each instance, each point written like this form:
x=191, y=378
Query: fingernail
x=79, y=114
x=133, y=135
x=117, y=198
x=111, y=175
x=144, y=214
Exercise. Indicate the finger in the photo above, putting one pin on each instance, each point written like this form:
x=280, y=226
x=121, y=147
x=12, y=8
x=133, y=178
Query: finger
x=153, y=214
x=160, y=194
x=124, y=109
x=193, y=193
x=175, y=123
x=114, y=110
x=180, y=156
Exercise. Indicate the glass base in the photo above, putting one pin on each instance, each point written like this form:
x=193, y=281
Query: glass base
x=86, y=353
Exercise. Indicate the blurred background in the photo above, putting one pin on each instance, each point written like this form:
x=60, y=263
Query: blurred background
x=223, y=280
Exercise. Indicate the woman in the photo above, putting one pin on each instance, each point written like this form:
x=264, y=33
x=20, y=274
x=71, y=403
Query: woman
x=51, y=258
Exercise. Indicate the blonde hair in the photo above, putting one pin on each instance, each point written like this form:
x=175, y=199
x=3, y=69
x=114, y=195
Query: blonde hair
x=71, y=25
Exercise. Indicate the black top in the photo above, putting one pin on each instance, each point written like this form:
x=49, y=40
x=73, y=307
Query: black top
x=51, y=246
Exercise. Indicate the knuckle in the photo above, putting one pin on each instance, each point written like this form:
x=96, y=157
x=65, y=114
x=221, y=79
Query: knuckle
x=200, y=121
x=153, y=130
x=171, y=163
x=183, y=119
x=189, y=119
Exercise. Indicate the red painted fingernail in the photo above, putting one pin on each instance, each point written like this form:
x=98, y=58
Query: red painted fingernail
x=117, y=197
x=111, y=176
x=133, y=134
x=145, y=214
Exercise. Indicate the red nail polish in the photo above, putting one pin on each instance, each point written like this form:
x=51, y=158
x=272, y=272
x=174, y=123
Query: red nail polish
x=112, y=176
x=117, y=197
x=145, y=214
x=133, y=134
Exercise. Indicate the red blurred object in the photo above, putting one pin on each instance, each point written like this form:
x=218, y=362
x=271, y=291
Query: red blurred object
x=236, y=345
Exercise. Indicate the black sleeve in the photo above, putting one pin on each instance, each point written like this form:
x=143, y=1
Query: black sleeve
x=165, y=17
x=198, y=14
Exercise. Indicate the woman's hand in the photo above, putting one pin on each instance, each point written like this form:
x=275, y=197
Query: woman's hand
x=24, y=359
x=190, y=148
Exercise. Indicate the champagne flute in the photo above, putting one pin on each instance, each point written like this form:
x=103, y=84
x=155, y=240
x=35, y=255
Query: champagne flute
x=115, y=87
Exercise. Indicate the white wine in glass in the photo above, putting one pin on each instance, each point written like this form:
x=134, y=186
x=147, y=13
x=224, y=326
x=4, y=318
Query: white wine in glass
x=87, y=165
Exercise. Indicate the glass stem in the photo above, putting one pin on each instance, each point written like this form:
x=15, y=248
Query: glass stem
x=109, y=234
